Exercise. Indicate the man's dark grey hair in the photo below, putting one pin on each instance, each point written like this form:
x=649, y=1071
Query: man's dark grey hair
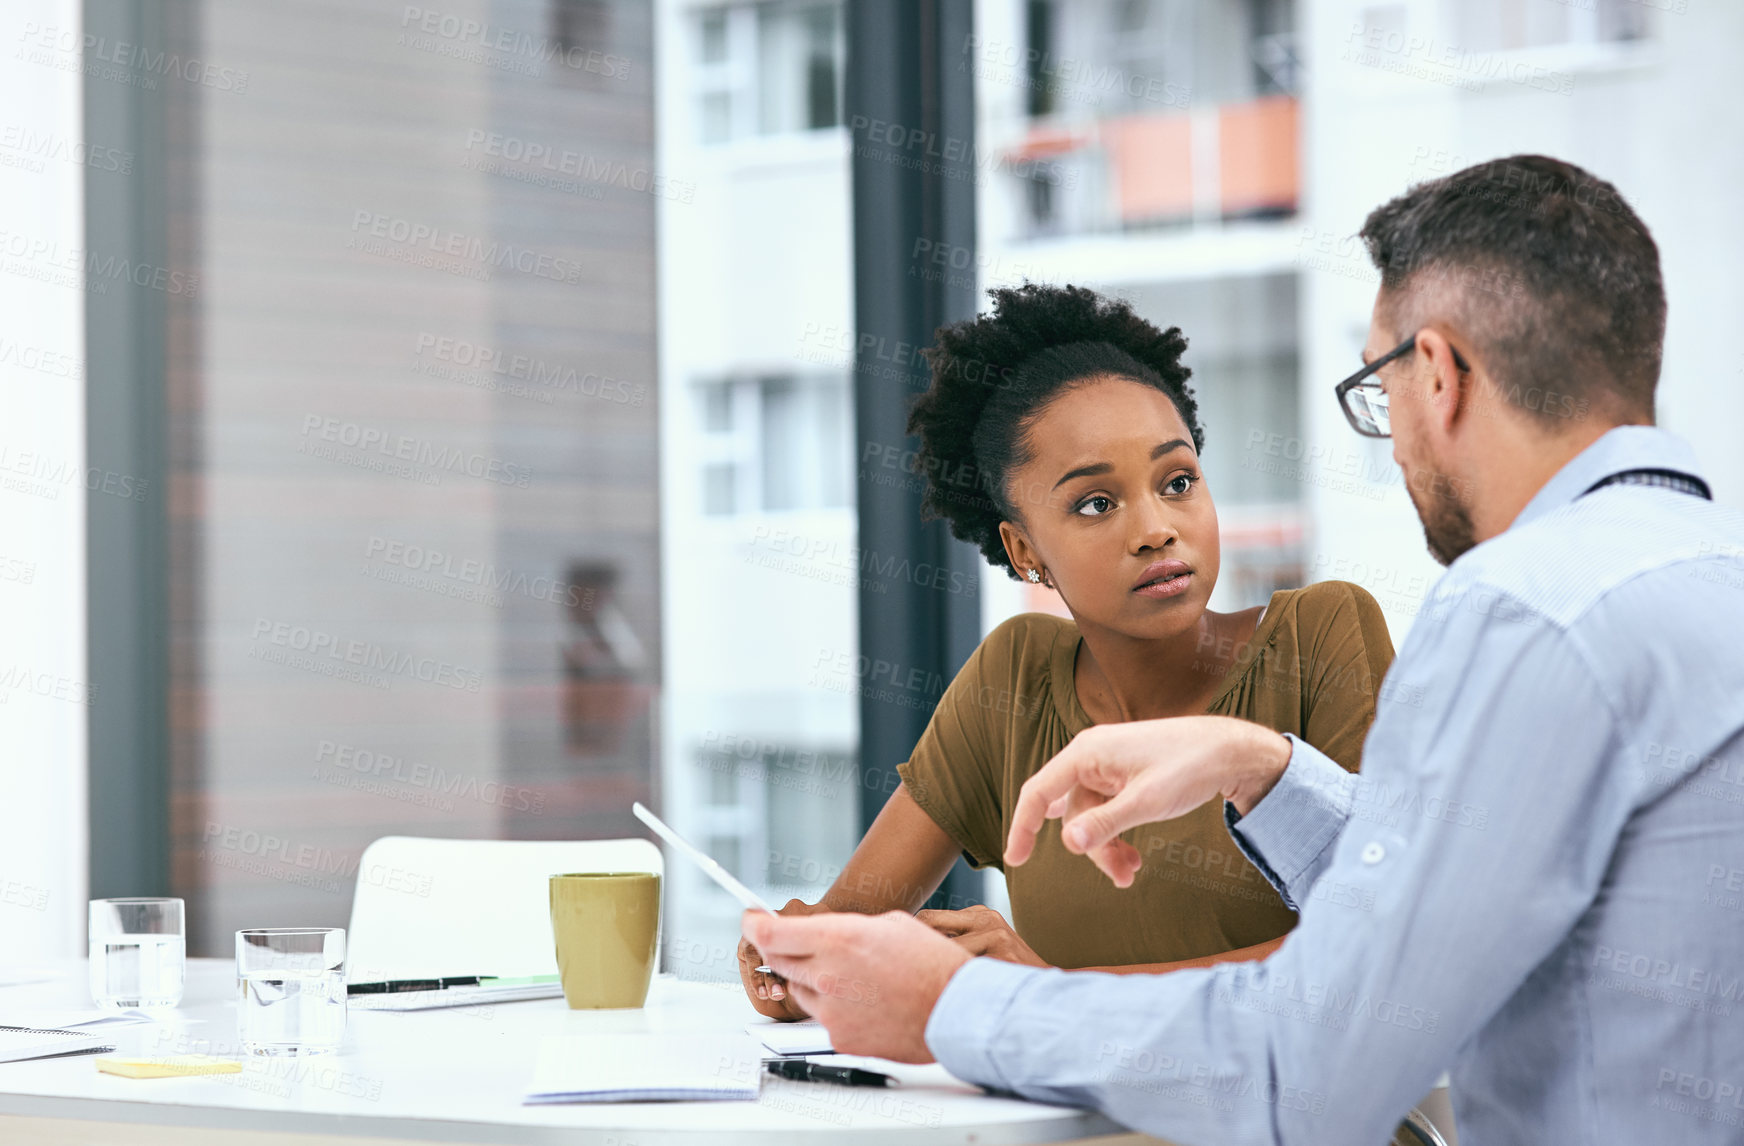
x=1544, y=267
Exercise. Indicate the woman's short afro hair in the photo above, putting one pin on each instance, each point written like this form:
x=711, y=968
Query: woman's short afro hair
x=994, y=374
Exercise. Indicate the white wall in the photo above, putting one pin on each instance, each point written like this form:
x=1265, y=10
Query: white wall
x=43, y=677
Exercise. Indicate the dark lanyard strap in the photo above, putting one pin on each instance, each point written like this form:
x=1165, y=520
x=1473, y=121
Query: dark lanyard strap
x=1664, y=479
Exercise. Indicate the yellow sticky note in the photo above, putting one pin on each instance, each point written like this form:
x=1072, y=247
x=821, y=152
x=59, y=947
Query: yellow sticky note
x=168, y=1066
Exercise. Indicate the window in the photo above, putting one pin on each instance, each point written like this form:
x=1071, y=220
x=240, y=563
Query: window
x=418, y=590
x=769, y=69
x=713, y=36
x=1115, y=57
x=1277, y=66
x=1040, y=99
x=1503, y=25
x=723, y=78
x=1150, y=114
x=1147, y=40
x=775, y=443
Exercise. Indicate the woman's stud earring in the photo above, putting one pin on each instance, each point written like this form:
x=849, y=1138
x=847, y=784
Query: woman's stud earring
x=1034, y=577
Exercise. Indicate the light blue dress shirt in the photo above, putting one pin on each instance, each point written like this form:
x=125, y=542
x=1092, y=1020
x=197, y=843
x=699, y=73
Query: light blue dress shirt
x=1537, y=883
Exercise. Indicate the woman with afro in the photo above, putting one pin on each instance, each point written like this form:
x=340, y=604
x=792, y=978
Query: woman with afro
x=1059, y=436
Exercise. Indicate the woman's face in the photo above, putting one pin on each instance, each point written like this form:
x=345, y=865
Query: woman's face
x=1112, y=505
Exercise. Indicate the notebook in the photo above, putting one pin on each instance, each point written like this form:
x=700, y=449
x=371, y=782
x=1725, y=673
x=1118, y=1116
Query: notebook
x=19, y=1043
x=645, y=1068
x=787, y=1039
x=82, y=1020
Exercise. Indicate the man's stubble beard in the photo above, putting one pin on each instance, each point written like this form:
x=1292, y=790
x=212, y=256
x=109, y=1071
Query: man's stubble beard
x=1447, y=523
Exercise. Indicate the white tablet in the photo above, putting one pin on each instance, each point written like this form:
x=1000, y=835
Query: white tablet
x=714, y=870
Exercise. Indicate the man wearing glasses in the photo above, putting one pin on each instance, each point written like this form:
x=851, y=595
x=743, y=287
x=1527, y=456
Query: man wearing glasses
x=1535, y=883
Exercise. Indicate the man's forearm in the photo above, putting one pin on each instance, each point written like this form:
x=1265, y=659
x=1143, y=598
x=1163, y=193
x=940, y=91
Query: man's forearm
x=1137, y=1048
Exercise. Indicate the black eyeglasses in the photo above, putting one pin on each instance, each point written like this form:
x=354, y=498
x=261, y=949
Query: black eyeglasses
x=1364, y=401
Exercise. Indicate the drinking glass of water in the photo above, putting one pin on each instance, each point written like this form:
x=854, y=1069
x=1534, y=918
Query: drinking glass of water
x=138, y=954
x=293, y=989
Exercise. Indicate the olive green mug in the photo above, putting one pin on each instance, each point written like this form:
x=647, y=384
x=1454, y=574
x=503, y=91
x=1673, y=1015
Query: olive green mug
x=605, y=926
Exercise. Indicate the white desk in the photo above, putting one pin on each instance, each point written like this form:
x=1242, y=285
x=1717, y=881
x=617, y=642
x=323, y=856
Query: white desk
x=457, y=1076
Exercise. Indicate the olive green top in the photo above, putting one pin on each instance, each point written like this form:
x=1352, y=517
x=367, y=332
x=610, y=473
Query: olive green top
x=1312, y=669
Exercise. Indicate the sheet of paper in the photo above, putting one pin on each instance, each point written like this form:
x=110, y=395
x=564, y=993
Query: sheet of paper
x=645, y=1067
x=73, y=1019
x=808, y=1037
x=25, y=976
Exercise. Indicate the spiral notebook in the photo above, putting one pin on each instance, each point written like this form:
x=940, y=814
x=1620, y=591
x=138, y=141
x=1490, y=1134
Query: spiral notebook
x=645, y=1068
x=20, y=1043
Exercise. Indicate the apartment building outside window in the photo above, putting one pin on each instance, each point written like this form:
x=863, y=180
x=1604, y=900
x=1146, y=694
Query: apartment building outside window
x=768, y=69
x=775, y=443
x=1152, y=113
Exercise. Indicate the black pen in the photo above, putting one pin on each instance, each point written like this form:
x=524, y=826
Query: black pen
x=396, y=986
x=801, y=1070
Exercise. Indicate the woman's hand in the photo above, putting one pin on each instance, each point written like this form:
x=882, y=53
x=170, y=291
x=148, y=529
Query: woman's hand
x=982, y=931
x=768, y=992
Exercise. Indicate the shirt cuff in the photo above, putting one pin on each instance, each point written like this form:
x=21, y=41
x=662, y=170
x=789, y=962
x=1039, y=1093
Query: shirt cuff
x=965, y=1022
x=1287, y=832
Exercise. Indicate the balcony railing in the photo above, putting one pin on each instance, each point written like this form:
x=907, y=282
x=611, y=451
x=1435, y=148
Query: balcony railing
x=1234, y=161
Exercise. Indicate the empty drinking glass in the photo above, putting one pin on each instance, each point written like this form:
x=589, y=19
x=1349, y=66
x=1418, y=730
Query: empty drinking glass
x=293, y=989
x=138, y=953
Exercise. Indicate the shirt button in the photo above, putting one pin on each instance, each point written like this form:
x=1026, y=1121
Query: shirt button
x=1373, y=853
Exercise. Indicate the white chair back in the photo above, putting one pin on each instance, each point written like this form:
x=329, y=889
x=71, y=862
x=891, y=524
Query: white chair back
x=434, y=907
